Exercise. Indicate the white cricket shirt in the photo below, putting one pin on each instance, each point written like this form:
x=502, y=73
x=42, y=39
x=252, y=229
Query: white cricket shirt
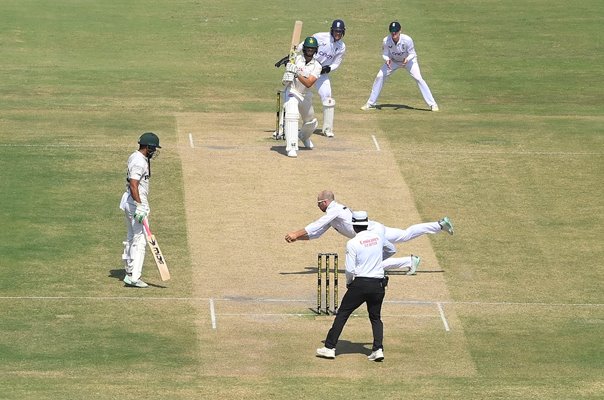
x=330, y=52
x=364, y=256
x=312, y=68
x=138, y=169
x=397, y=52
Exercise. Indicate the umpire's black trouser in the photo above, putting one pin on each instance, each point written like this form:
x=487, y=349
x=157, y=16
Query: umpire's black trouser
x=361, y=290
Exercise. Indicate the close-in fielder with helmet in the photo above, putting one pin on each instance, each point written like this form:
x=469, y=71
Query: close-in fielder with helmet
x=399, y=52
x=135, y=204
x=330, y=55
x=298, y=77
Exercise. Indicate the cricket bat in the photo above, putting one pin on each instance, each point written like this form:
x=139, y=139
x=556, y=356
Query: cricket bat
x=157, y=254
x=295, y=40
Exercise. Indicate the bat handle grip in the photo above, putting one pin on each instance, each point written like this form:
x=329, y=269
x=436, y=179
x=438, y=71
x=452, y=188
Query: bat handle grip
x=146, y=225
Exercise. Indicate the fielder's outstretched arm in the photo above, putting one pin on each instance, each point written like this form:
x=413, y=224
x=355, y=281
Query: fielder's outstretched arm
x=296, y=235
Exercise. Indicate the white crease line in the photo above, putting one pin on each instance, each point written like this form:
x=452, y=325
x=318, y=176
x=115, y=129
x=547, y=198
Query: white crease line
x=191, y=141
x=264, y=300
x=375, y=142
x=442, y=316
x=212, y=313
x=322, y=315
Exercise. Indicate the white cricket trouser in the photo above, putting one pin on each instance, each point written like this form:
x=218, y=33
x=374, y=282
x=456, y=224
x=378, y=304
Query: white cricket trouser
x=294, y=109
x=396, y=235
x=397, y=263
x=323, y=85
x=413, y=68
x=135, y=244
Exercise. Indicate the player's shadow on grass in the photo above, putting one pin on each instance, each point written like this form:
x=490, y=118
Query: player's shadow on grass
x=398, y=107
x=120, y=274
x=117, y=274
x=348, y=347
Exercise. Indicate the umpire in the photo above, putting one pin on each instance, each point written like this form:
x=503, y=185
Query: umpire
x=366, y=284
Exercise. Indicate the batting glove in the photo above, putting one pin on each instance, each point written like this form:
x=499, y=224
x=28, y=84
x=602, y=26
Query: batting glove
x=292, y=68
x=142, y=210
x=288, y=77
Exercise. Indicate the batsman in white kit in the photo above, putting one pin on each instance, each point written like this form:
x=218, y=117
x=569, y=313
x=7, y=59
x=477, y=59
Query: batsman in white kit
x=298, y=77
x=135, y=204
x=399, y=52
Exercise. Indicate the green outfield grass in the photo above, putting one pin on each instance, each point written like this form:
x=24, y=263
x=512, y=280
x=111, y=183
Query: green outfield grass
x=515, y=158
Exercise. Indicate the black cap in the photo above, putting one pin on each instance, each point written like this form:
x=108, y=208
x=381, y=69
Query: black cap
x=394, y=27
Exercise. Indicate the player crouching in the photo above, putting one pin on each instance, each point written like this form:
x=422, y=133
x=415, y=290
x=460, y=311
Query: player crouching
x=298, y=77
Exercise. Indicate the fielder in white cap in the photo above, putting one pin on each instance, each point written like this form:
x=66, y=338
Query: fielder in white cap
x=398, y=51
x=366, y=283
x=339, y=217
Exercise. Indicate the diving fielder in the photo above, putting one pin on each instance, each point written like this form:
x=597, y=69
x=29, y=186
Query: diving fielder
x=298, y=77
x=330, y=55
x=135, y=204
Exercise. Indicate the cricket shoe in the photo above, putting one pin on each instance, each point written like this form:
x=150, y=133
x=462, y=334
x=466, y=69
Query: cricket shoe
x=292, y=153
x=328, y=132
x=368, y=106
x=308, y=143
x=139, y=284
x=324, y=352
x=434, y=107
x=278, y=136
x=446, y=225
x=377, y=355
x=415, y=260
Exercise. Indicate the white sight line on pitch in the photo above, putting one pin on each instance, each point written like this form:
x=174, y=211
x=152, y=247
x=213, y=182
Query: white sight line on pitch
x=212, y=314
x=441, y=311
x=375, y=142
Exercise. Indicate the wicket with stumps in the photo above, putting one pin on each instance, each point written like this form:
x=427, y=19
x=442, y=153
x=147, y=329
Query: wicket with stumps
x=279, y=116
x=327, y=257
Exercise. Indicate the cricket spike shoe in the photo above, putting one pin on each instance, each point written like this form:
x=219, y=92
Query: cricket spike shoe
x=324, y=352
x=368, y=106
x=446, y=225
x=415, y=260
x=377, y=355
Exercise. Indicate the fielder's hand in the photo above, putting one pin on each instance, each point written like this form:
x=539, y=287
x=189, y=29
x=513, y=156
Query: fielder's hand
x=288, y=77
x=292, y=68
x=142, y=210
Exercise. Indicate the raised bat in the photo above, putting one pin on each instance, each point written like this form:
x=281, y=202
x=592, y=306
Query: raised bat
x=157, y=254
x=295, y=40
x=292, y=50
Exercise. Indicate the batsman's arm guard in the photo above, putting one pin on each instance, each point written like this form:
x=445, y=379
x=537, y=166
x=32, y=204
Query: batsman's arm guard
x=282, y=61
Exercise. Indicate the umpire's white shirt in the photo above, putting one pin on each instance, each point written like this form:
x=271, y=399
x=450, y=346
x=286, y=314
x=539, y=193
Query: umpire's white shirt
x=364, y=256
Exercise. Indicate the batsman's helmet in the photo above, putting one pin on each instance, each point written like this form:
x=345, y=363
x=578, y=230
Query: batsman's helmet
x=338, y=26
x=149, y=139
x=394, y=27
x=311, y=43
